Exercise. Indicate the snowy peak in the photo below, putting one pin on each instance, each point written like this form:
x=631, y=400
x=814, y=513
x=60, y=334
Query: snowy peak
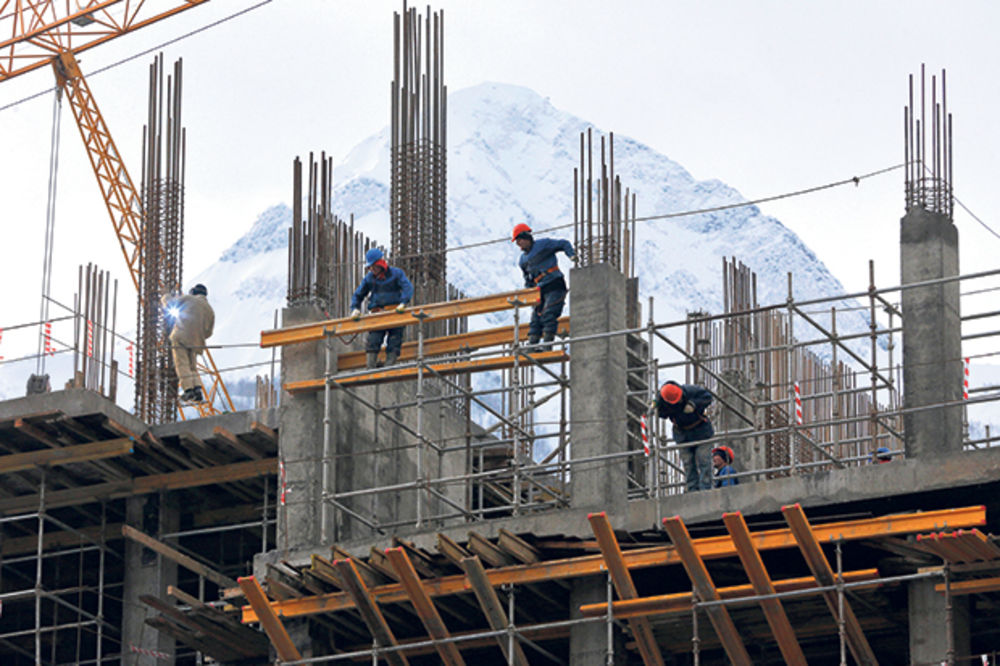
x=269, y=232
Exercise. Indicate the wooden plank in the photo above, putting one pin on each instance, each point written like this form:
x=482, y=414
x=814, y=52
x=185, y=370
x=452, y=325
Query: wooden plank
x=517, y=547
x=241, y=647
x=706, y=591
x=422, y=603
x=774, y=612
x=450, y=344
x=680, y=602
x=488, y=552
x=492, y=609
x=976, y=586
x=273, y=627
x=376, y=322
x=365, y=602
x=65, y=455
x=144, y=485
x=369, y=574
x=234, y=442
x=444, y=368
x=453, y=552
x=180, y=558
x=821, y=570
x=657, y=556
x=624, y=586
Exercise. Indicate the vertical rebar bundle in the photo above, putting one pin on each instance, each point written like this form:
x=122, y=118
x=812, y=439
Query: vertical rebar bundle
x=418, y=199
x=325, y=253
x=162, y=245
x=608, y=237
x=96, y=301
x=928, y=180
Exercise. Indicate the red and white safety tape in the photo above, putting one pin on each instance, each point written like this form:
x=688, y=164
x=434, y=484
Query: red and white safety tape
x=282, y=498
x=49, y=348
x=965, y=380
x=149, y=653
x=131, y=358
x=645, y=437
x=90, y=338
x=1, y=340
x=798, y=405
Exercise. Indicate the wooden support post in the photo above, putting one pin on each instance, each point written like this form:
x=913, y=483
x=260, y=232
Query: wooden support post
x=703, y=585
x=492, y=609
x=273, y=627
x=774, y=612
x=422, y=603
x=622, y=579
x=364, y=601
x=178, y=557
x=820, y=568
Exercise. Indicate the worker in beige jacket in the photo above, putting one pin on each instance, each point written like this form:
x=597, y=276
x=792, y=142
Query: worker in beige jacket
x=190, y=321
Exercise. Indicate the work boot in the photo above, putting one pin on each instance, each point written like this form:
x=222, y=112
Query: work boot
x=372, y=360
x=391, y=357
x=196, y=394
x=533, y=340
x=186, y=395
x=548, y=337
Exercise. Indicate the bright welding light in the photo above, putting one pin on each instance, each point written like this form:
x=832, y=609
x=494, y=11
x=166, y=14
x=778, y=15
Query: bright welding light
x=173, y=312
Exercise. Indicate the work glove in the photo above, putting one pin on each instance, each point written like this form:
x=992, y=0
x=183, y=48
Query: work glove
x=355, y=314
x=689, y=408
x=652, y=406
x=400, y=308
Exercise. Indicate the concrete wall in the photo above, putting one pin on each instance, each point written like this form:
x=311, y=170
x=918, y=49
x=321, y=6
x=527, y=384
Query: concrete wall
x=932, y=345
x=598, y=381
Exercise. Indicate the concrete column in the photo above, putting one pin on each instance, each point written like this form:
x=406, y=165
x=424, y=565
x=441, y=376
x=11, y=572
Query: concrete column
x=146, y=572
x=300, y=439
x=932, y=346
x=588, y=643
x=929, y=623
x=732, y=419
x=598, y=381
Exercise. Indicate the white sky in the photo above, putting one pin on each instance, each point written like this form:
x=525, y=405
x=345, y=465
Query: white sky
x=768, y=97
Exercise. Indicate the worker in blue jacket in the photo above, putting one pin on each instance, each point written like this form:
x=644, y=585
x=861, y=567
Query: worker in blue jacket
x=722, y=461
x=387, y=287
x=685, y=405
x=541, y=269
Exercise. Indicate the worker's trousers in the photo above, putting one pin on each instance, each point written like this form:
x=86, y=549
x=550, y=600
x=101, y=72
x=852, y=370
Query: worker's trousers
x=186, y=366
x=545, y=315
x=393, y=340
x=697, y=459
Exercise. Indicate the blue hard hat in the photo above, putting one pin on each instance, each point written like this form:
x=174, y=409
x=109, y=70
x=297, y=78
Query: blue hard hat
x=372, y=255
x=882, y=449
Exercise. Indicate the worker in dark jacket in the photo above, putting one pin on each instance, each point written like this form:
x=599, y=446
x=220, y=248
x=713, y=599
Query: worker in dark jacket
x=722, y=461
x=387, y=287
x=684, y=405
x=541, y=269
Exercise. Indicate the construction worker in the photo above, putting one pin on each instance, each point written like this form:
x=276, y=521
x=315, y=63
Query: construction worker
x=190, y=321
x=541, y=269
x=684, y=405
x=387, y=287
x=722, y=461
x=881, y=455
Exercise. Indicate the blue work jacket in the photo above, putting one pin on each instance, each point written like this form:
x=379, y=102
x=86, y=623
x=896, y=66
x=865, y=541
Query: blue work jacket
x=392, y=288
x=539, y=264
x=723, y=476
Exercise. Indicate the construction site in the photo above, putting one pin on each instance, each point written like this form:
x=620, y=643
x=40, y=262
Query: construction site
x=486, y=499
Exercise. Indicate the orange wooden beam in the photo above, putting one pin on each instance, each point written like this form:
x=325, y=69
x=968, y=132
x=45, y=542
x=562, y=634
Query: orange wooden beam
x=490, y=603
x=589, y=565
x=450, y=344
x=680, y=602
x=706, y=590
x=422, y=603
x=316, y=331
x=273, y=627
x=624, y=586
x=774, y=612
x=977, y=586
x=820, y=568
x=445, y=368
x=365, y=602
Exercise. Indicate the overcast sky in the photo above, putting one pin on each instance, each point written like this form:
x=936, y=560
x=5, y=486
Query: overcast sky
x=768, y=97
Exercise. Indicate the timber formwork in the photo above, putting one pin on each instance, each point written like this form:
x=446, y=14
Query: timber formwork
x=67, y=475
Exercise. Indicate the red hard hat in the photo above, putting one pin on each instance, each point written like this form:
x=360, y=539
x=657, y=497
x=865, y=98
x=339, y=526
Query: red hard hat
x=725, y=453
x=671, y=392
x=519, y=229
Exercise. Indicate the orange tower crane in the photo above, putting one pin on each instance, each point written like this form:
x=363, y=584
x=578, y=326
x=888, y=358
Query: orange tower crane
x=53, y=32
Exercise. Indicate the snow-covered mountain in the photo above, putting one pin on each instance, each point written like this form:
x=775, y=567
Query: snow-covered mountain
x=510, y=159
